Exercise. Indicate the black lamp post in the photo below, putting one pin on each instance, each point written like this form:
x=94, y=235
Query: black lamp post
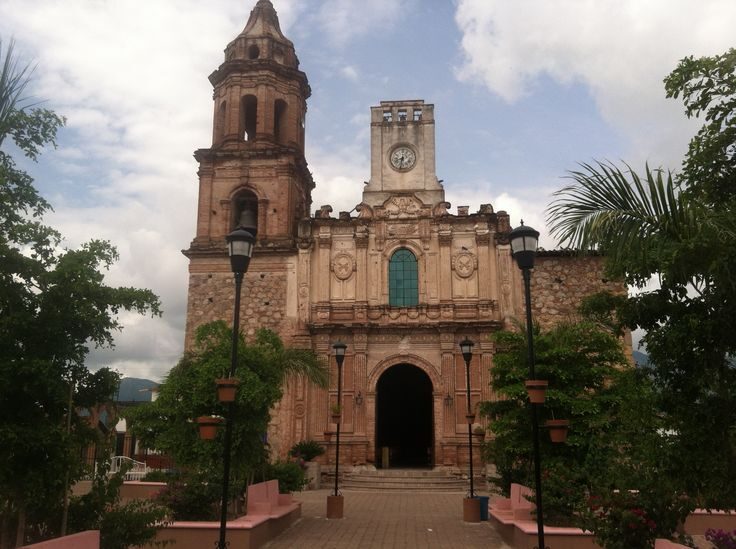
x=335, y=502
x=240, y=247
x=466, y=347
x=524, y=242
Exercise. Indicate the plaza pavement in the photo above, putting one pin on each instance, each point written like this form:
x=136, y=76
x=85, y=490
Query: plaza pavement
x=383, y=520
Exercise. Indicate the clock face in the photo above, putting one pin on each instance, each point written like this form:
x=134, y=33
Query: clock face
x=403, y=158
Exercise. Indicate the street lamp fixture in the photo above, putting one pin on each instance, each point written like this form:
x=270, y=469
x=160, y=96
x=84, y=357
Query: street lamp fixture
x=471, y=505
x=524, y=241
x=240, y=247
x=335, y=502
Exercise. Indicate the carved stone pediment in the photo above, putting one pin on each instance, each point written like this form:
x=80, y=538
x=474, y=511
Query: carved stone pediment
x=402, y=207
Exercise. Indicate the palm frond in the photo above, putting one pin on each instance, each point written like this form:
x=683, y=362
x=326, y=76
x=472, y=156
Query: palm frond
x=13, y=81
x=304, y=362
x=633, y=220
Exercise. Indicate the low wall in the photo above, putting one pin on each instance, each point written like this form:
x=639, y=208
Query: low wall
x=89, y=539
x=138, y=489
x=247, y=532
x=700, y=520
x=199, y=535
x=522, y=534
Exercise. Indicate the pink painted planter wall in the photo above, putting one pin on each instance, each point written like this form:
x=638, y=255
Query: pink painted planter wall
x=136, y=489
x=666, y=544
x=199, y=535
x=700, y=520
x=89, y=539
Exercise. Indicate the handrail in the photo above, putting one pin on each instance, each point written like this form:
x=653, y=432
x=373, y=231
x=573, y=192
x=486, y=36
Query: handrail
x=136, y=471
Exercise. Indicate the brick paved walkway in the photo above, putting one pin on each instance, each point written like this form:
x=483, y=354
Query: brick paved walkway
x=380, y=520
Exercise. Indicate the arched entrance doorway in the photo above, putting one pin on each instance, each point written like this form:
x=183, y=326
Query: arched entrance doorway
x=404, y=419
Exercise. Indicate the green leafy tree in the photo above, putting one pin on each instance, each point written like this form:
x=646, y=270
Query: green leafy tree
x=54, y=304
x=708, y=87
x=585, y=367
x=680, y=230
x=264, y=364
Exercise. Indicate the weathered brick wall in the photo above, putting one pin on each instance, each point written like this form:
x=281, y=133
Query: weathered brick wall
x=561, y=280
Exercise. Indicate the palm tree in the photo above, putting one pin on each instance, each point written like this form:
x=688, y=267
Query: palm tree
x=644, y=226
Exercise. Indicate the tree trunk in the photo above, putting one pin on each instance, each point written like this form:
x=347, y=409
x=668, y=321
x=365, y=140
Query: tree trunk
x=4, y=534
x=21, y=531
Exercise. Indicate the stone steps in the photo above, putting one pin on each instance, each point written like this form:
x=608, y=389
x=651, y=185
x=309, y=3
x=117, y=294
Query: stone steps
x=403, y=480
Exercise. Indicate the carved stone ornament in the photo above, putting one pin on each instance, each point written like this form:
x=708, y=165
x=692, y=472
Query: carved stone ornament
x=464, y=263
x=402, y=229
x=402, y=206
x=343, y=265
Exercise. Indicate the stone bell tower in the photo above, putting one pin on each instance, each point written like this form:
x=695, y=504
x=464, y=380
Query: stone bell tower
x=255, y=168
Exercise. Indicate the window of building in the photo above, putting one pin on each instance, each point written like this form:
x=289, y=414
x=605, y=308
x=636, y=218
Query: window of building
x=402, y=115
x=417, y=115
x=403, y=279
x=253, y=52
x=387, y=116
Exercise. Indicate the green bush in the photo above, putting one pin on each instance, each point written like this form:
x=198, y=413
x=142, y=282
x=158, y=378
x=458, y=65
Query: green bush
x=121, y=525
x=290, y=475
x=161, y=476
x=190, y=499
x=130, y=524
x=307, y=450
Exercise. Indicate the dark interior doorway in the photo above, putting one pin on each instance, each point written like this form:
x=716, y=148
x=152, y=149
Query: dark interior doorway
x=404, y=426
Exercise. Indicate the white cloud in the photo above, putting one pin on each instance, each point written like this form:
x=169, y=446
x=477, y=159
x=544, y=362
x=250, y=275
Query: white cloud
x=350, y=73
x=619, y=49
x=131, y=78
x=345, y=20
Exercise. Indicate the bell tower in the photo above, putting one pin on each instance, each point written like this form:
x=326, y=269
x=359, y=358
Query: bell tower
x=255, y=165
x=253, y=172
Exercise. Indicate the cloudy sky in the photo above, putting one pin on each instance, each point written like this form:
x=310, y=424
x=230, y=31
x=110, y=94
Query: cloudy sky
x=523, y=91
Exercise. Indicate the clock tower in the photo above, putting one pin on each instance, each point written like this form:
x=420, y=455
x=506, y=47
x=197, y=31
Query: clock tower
x=402, y=153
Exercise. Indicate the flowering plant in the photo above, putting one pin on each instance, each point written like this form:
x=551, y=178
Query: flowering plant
x=622, y=524
x=629, y=519
x=721, y=539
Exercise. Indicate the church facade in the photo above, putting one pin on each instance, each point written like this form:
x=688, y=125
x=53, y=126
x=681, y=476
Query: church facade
x=401, y=279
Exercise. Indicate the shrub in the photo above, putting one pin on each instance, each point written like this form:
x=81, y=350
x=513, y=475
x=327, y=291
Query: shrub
x=629, y=519
x=290, y=475
x=131, y=524
x=120, y=525
x=307, y=450
x=161, y=476
x=721, y=539
x=190, y=499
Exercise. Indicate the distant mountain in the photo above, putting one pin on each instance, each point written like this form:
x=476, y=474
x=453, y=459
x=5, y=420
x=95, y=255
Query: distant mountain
x=642, y=359
x=133, y=389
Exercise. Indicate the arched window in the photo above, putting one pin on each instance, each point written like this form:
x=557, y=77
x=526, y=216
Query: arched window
x=248, y=117
x=403, y=279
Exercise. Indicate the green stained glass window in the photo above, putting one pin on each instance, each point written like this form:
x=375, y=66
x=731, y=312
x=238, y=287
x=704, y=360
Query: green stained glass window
x=403, y=280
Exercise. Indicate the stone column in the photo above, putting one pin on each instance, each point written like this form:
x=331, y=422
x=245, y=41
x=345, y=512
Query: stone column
x=360, y=344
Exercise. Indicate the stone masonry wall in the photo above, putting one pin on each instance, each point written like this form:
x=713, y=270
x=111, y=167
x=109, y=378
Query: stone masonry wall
x=263, y=302
x=560, y=281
